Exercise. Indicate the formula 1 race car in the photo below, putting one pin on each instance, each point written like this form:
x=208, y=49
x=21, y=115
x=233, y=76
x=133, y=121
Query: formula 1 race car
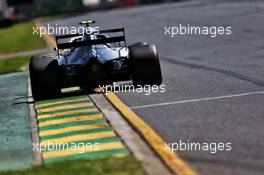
x=90, y=60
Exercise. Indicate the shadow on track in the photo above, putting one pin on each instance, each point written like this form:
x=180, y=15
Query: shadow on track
x=217, y=70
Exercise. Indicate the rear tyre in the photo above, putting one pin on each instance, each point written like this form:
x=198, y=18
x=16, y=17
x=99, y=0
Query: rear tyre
x=139, y=44
x=145, y=66
x=44, y=77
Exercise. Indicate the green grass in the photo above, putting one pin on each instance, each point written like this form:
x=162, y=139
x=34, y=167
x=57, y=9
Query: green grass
x=8, y=65
x=110, y=166
x=19, y=37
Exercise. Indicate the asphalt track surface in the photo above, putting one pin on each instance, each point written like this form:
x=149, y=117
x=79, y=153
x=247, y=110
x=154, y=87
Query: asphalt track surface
x=197, y=68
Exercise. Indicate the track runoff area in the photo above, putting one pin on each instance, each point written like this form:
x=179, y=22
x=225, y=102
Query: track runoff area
x=47, y=130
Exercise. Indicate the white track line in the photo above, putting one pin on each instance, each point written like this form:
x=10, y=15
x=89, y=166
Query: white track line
x=198, y=100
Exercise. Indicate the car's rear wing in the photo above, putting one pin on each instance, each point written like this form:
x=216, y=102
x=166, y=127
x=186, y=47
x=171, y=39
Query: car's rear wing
x=91, y=42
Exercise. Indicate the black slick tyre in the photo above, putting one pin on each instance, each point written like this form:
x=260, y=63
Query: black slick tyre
x=44, y=77
x=144, y=65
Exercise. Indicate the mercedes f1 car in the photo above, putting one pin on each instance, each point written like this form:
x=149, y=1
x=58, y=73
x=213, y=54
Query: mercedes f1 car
x=89, y=60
